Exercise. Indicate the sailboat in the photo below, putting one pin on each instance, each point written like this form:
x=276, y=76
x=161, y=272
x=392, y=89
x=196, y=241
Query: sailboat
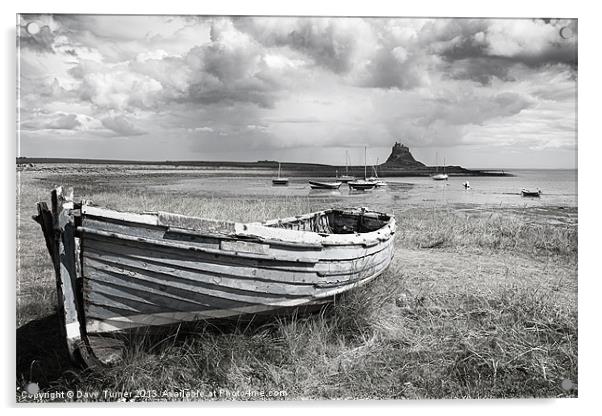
x=346, y=177
x=362, y=184
x=279, y=180
x=439, y=176
x=377, y=182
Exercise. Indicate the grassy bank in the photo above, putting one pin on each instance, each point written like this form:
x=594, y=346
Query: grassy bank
x=472, y=306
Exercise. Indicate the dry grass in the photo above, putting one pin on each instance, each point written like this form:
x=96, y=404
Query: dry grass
x=471, y=307
x=493, y=231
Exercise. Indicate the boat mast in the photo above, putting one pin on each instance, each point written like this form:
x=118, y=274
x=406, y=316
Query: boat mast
x=364, y=162
x=375, y=169
x=347, y=162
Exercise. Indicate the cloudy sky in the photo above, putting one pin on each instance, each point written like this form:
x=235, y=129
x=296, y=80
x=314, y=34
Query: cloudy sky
x=491, y=93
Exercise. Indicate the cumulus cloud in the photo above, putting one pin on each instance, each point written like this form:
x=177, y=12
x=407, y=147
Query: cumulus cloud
x=117, y=88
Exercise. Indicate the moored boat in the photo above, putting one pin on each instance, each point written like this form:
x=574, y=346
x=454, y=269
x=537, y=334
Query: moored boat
x=439, y=176
x=117, y=271
x=530, y=193
x=346, y=177
x=377, y=181
x=279, y=180
x=325, y=185
x=362, y=184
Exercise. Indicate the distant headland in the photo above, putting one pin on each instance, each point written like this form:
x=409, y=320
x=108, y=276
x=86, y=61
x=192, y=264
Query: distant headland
x=400, y=163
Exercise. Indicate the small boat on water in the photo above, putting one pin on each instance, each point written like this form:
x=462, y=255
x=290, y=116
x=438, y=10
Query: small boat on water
x=279, y=180
x=439, y=176
x=362, y=184
x=375, y=179
x=325, y=185
x=530, y=193
x=346, y=177
x=466, y=185
x=117, y=271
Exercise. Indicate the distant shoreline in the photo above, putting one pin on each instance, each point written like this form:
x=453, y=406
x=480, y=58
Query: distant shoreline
x=295, y=168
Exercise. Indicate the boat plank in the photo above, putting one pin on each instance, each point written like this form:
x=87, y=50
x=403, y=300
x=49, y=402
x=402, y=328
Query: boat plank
x=328, y=252
x=169, y=281
x=125, y=265
x=211, y=266
x=143, y=294
x=148, y=219
x=170, y=293
x=133, y=321
x=319, y=273
x=86, y=231
x=118, y=323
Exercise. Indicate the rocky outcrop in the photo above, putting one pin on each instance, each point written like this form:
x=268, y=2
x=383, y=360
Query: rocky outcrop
x=401, y=157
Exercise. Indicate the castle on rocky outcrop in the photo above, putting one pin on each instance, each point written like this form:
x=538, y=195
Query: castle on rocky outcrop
x=402, y=158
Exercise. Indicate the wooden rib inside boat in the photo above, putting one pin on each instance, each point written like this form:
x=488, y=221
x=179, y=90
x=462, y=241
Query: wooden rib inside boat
x=120, y=270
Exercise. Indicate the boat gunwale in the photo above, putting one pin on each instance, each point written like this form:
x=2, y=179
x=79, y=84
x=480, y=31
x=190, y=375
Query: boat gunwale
x=268, y=231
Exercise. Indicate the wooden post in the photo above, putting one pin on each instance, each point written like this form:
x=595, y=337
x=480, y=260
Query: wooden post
x=59, y=232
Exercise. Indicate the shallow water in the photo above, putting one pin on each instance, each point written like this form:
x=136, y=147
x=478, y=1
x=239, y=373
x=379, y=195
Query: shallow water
x=559, y=189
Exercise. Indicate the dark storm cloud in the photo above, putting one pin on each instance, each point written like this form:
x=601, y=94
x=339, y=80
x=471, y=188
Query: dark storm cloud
x=482, y=50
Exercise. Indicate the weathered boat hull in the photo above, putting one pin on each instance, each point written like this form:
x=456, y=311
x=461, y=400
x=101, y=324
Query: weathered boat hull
x=121, y=270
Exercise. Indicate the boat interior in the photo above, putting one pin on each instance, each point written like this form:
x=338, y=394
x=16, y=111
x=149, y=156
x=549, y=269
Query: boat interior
x=334, y=221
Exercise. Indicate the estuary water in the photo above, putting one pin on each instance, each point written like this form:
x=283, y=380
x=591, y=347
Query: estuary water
x=559, y=190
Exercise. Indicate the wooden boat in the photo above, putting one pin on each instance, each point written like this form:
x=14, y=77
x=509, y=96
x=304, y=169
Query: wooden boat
x=325, y=185
x=529, y=193
x=279, y=180
x=120, y=270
